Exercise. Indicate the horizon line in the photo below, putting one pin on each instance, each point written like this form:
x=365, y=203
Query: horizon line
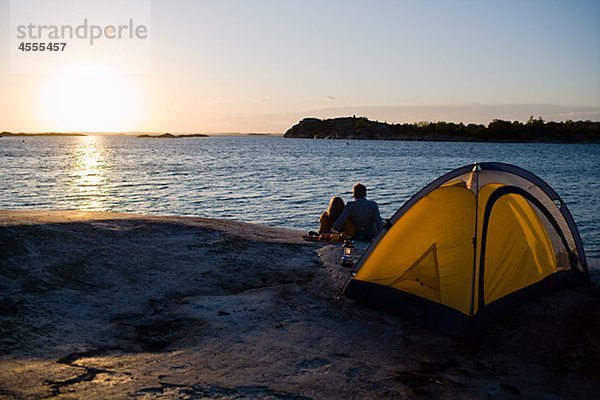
x=233, y=133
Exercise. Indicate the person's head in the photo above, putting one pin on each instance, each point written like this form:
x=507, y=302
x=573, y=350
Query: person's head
x=336, y=206
x=359, y=190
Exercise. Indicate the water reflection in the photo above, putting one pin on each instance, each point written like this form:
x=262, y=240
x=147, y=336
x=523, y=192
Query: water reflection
x=88, y=175
x=283, y=182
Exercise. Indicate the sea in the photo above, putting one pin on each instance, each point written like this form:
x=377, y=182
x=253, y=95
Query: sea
x=269, y=179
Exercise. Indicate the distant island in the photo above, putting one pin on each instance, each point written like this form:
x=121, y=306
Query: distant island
x=10, y=134
x=170, y=136
x=534, y=130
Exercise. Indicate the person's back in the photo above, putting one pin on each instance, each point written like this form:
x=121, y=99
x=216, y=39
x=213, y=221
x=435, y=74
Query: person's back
x=363, y=213
x=328, y=218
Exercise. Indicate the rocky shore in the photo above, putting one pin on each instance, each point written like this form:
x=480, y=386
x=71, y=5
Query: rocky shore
x=102, y=305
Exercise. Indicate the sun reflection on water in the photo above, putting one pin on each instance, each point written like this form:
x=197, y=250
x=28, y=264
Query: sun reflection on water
x=88, y=175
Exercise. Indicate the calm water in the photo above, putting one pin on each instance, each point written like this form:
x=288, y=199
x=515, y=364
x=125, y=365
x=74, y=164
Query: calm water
x=269, y=180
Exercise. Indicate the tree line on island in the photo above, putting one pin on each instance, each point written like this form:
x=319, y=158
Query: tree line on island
x=534, y=130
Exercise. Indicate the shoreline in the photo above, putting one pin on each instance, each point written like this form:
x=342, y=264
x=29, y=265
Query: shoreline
x=281, y=135
x=137, y=134
x=101, y=305
x=242, y=229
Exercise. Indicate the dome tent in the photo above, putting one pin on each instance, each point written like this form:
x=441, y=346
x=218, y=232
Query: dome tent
x=469, y=247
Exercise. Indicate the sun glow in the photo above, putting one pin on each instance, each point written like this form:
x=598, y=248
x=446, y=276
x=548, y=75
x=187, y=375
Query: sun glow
x=89, y=98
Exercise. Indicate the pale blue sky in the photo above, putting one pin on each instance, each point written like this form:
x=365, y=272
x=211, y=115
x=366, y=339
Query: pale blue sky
x=262, y=65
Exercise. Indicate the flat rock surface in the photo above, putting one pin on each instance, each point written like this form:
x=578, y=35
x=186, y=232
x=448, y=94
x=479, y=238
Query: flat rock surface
x=101, y=305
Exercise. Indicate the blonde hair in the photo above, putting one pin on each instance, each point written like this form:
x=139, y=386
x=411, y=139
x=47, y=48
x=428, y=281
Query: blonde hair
x=336, y=206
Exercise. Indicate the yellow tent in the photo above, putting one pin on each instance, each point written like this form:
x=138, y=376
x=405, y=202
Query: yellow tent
x=470, y=245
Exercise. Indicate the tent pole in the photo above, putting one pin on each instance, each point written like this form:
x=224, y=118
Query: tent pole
x=350, y=276
x=341, y=291
x=345, y=284
x=476, y=178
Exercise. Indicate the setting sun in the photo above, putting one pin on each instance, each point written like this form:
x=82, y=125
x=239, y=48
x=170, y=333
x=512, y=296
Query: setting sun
x=90, y=98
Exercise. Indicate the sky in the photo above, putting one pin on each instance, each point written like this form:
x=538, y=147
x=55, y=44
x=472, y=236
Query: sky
x=261, y=66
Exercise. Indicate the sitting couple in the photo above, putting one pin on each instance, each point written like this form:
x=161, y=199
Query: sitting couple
x=359, y=219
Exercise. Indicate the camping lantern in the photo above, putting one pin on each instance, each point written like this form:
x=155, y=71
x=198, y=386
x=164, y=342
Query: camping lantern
x=347, y=258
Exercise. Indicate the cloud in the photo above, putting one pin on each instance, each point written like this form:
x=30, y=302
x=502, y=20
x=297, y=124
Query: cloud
x=584, y=115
